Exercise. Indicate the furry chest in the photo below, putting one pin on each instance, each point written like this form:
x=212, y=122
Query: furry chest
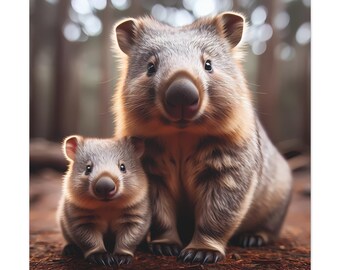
x=168, y=159
x=108, y=219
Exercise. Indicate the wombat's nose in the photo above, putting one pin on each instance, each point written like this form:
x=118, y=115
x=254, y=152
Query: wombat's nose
x=105, y=187
x=181, y=99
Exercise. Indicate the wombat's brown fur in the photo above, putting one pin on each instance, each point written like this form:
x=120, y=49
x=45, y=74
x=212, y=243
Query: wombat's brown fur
x=104, y=212
x=215, y=176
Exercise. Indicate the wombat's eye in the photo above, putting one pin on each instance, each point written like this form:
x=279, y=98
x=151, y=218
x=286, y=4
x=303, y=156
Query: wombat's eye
x=208, y=66
x=122, y=167
x=88, y=169
x=151, y=69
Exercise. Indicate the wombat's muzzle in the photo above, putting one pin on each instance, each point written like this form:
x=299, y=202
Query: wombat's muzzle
x=182, y=99
x=105, y=188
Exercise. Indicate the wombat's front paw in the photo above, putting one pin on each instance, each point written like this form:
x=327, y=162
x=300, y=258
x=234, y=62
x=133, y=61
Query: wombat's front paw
x=165, y=249
x=103, y=258
x=122, y=258
x=248, y=240
x=201, y=256
x=72, y=250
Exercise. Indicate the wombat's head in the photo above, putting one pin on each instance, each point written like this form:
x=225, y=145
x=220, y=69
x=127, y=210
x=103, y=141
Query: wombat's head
x=103, y=169
x=181, y=78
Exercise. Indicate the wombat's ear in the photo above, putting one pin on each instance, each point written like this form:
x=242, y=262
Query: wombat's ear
x=138, y=144
x=124, y=33
x=232, y=26
x=70, y=146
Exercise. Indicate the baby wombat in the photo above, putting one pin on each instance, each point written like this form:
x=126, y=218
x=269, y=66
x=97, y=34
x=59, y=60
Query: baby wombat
x=214, y=175
x=104, y=212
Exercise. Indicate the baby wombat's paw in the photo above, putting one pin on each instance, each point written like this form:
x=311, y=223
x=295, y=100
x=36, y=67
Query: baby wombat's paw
x=248, y=240
x=102, y=258
x=201, y=256
x=72, y=250
x=165, y=249
x=122, y=258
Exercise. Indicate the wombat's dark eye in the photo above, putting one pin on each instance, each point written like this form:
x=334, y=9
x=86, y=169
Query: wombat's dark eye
x=88, y=169
x=151, y=69
x=208, y=66
x=122, y=168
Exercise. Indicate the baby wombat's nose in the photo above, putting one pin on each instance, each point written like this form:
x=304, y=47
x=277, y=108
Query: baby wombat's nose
x=105, y=187
x=181, y=99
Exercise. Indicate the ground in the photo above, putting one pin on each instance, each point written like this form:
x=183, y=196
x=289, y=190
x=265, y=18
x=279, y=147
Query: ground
x=291, y=251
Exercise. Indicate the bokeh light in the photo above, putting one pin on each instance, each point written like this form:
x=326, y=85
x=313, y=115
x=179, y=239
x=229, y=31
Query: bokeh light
x=121, y=4
x=258, y=47
x=72, y=31
x=182, y=17
x=264, y=32
x=98, y=4
x=281, y=20
x=285, y=52
x=92, y=25
x=204, y=7
x=303, y=34
x=159, y=12
x=189, y=4
x=259, y=15
x=81, y=6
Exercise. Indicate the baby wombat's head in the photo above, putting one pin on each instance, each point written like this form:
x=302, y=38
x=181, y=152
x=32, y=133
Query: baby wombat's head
x=103, y=169
x=182, y=78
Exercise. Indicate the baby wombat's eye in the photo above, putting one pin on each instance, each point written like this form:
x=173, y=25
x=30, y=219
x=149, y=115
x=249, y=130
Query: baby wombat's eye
x=208, y=66
x=88, y=169
x=122, y=167
x=151, y=69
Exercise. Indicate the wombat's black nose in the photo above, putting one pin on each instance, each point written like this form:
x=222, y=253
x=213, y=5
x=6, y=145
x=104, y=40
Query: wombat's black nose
x=181, y=99
x=104, y=187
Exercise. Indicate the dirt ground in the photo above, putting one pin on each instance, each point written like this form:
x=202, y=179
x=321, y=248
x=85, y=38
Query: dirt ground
x=292, y=251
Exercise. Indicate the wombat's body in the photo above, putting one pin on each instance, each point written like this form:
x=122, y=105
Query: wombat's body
x=214, y=174
x=104, y=212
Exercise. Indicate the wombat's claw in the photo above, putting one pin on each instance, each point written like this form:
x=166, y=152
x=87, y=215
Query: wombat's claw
x=103, y=258
x=248, y=240
x=200, y=256
x=165, y=249
x=122, y=259
x=71, y=250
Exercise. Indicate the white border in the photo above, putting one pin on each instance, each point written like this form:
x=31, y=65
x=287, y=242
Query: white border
x=325, y=135
x=14, y=248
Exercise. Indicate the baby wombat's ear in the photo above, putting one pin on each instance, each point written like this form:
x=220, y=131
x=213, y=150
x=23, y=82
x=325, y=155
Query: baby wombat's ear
x=138, y=145
x=70, y=146
x=232, y=26
x=124, y=33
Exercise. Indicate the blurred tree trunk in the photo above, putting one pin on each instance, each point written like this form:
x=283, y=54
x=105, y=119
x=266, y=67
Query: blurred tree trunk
x=35, y=46
x=105, y=94
x=62, y=70
x=107, y=16
x=70, y=120
x=306, y=86
x=268, y=78
x=306, y=100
